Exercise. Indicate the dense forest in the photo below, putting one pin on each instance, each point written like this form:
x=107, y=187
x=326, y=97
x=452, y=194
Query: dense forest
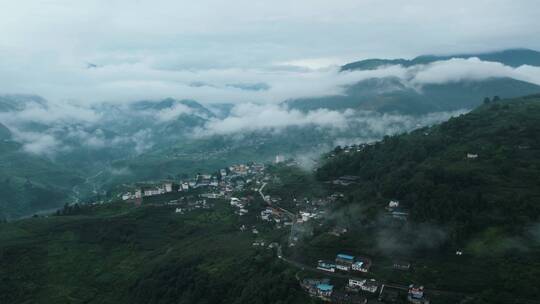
x=478, y=170
x=119, y=254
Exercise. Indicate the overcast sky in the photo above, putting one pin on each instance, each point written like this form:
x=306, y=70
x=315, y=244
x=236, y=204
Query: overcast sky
x=154, y=49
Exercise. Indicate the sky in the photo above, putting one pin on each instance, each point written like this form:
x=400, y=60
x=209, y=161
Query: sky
x=209, y=50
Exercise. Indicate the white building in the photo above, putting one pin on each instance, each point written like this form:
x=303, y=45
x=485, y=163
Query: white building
x=365, y=285
x=472, y=156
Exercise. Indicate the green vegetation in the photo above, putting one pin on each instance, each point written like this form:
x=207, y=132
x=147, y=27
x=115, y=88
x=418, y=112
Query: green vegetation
x=429, y=171
x=120, y=254
x=485, y=204
x=29, y=183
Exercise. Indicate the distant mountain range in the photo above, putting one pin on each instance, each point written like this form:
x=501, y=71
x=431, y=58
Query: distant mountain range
x=511, y=57
x=391, y=94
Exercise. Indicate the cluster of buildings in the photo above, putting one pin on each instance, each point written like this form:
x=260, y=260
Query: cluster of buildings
x=219, y=185
x=345, y=262
x=396, y=211
x=191, y=205
x=272, y=214
x=240, y=205
x=360, y=290
x=350, y=149
x=323, y=289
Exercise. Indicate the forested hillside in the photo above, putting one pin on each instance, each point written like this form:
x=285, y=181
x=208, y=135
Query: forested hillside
x=475, y=171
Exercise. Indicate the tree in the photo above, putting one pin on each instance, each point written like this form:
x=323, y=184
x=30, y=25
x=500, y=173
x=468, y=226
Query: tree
x=487, y=100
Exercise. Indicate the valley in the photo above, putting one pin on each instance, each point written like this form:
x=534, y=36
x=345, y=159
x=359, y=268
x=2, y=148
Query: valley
x=261, y=230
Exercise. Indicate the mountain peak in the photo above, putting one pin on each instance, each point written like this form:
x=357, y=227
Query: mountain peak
x=511, y=57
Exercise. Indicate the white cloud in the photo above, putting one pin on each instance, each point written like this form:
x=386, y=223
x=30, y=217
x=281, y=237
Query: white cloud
x=38, y=143
x=173, y=113
x=455, y=70
x=366, y=124
x=254, y=117
x=154, y=49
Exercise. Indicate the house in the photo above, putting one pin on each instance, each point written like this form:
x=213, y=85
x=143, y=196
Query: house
x=326, y=266
x=416, y=295
x=472, y=156
x=167, y=187
x=364, y=285
x=400, y=265
x=310, y=285
x=305, y=216
x=393, y=204
x=324, y=290
x=126, y=196
x=138, y=194
x=360, y=266
x=344, y=262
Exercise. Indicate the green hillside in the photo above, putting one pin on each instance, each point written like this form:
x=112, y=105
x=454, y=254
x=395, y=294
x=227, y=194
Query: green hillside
x=511, y=57
x=121, y=254
x=391, y=94
x=30, y=183
x=429, y=172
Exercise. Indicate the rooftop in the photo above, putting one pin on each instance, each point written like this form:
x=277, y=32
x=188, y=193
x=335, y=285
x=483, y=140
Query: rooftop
x=345, y=256
x=325, y=287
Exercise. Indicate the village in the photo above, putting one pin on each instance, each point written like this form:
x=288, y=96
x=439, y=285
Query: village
x=241, y=185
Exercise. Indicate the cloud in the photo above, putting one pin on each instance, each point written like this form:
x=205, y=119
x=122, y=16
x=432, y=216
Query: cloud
x=364, y=125
x=455, y=70
x=38, y=143
x=152, y=50
x=173, y=113
x=254, y=117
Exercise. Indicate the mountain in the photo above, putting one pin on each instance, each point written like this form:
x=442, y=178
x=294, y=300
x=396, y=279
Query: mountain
x=475, y=172
x=511, y=57
x=5, y=134
x=18, y=102
x=391, y=94
x=30, y=183
x=150, y=254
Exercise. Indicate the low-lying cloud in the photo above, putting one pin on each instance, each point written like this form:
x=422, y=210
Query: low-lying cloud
x=255, y=117
x=144, y=80
x=365, y=124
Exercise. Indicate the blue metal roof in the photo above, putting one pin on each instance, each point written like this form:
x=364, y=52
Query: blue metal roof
x=345, y=256
x=325, y=287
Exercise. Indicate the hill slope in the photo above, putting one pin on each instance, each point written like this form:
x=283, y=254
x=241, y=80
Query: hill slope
x=511, y=57
x=430, y=172
x=392, y=94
